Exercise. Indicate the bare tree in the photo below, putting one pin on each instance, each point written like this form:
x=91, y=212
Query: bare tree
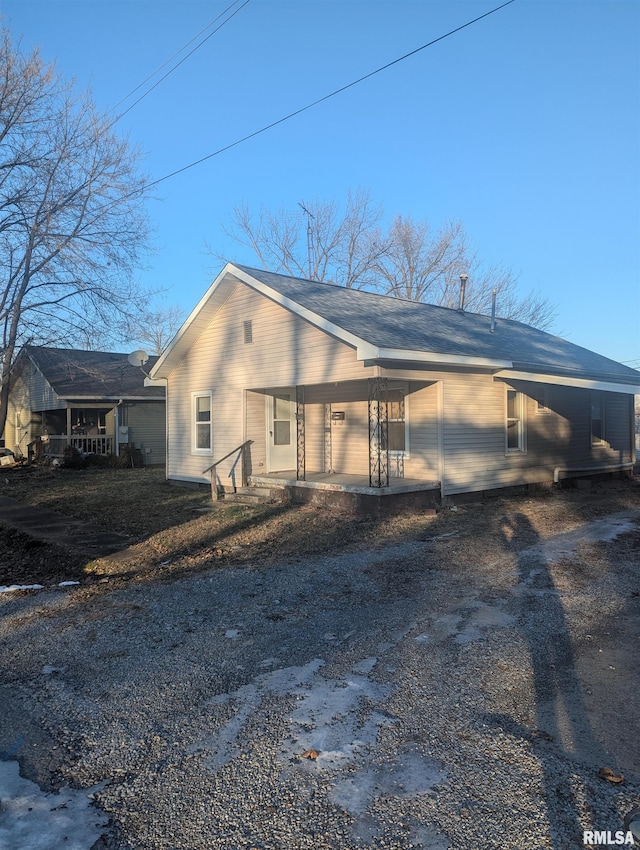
x=407, y=260
x=72, y=228
x=154, y=329
x=419, y=264
x=316, y=240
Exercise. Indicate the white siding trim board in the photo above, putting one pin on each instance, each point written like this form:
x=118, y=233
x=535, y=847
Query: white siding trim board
x=582, y=383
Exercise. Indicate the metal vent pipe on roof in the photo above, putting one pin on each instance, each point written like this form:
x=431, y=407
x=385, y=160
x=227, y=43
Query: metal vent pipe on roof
x=463, y=285
x=494, y=295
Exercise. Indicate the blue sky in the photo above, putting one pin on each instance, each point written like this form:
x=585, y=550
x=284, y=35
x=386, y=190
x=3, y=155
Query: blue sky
x=525, y=126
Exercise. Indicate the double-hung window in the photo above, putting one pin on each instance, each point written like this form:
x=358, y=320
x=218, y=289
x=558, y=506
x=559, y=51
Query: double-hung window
x=396, y=441
x=201, y=423
x=515, y=425
x=397, y=421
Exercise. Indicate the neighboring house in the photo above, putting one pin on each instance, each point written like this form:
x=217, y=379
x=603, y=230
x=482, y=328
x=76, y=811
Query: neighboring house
x=95, y=401
x=337, y=386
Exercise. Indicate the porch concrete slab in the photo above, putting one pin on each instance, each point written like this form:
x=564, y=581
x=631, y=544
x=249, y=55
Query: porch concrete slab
x=342, y=482
x=43, y=524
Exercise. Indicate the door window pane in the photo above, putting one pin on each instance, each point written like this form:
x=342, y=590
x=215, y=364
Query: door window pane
x=396, y=436
x=282, y=433
x=281, y=406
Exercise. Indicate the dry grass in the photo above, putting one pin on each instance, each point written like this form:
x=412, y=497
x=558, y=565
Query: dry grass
x=175, y=531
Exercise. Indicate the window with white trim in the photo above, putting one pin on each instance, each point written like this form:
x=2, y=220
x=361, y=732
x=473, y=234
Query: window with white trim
x=597, y=419
x=201, y=423
x=514, y=425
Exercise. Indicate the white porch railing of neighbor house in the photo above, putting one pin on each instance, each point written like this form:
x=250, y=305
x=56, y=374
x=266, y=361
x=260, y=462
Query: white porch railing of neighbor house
x=55, y=444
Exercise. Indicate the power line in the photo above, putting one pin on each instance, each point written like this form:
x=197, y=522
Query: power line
x=322, y=99
x=177, y=65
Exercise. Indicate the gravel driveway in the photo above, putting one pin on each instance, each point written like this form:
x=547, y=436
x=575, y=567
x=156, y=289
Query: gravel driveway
x=461, y=690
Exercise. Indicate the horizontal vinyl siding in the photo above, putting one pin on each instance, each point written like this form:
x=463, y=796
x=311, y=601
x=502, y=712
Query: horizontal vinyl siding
x=314, y=429
x=146, y=421
x=474, y=433
x=286, y=351
x=617, y=429
x=422, y=415
x=350, y=439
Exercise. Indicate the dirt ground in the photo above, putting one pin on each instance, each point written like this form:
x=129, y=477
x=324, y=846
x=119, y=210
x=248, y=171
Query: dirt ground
x=526, y=607
x=176, y=531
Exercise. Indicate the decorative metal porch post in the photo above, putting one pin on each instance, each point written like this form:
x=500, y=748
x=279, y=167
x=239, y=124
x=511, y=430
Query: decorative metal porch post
x=378, y=402
x=300, y=458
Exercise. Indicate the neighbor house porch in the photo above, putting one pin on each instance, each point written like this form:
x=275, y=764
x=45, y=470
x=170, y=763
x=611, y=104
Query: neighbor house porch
x=89, y=430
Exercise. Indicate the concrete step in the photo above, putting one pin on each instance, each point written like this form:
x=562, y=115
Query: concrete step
x=255, y=495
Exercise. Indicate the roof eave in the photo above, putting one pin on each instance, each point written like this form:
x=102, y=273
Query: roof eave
x=590, y=383
x=373, y=353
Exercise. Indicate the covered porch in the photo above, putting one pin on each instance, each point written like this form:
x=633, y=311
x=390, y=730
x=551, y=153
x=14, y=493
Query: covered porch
x=370, y=438
x=88, y=429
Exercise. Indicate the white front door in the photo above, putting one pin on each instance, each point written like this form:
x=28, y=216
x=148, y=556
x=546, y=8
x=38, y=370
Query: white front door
x=281, y=430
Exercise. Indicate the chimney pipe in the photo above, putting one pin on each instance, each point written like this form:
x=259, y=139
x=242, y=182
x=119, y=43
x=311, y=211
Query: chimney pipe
x=493, y=310
x=463, y=285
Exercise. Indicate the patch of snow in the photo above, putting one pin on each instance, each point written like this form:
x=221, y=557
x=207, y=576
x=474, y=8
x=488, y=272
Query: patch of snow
x=410, y=775
x=30, y=819
x=50, y=669
x=11, y=588
x=67, y=583
x=365, y=666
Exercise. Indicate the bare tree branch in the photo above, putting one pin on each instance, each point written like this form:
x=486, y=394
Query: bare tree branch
x=72, y=229
x=407, y=260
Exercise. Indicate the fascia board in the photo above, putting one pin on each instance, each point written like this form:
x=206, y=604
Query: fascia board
x=112, y=399
x=582, y=383
x=304, y=313
x=164, y=365
x=436, y=358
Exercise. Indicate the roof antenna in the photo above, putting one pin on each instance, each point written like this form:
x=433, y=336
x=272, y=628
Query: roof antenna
x=310, y=251
x=463, y=285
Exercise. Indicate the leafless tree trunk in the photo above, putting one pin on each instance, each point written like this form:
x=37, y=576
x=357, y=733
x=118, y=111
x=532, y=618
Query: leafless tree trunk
x=71, y=224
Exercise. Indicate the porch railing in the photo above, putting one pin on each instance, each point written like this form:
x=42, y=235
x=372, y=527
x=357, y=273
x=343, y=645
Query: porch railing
x=243, y=457
x=53, y=445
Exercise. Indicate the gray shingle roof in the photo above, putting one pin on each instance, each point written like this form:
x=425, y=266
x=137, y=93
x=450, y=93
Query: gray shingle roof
x=398, y=324
x=98, y=374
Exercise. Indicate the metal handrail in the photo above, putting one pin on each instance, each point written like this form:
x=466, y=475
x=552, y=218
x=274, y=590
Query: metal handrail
x=233, y=451
x=243, y=475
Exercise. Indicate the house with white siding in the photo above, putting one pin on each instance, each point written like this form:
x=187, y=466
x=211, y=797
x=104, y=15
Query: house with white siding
x=95, y=401
x=323, y=389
